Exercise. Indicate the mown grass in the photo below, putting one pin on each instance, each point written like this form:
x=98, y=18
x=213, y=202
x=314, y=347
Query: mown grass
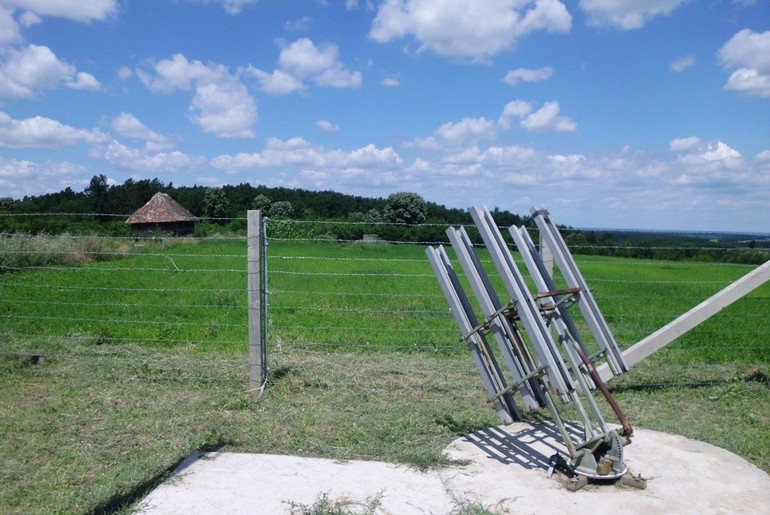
x=112, y=372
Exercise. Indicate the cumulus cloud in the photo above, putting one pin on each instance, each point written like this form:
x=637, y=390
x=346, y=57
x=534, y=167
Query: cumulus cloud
x=298, y=152
x=41, y=132
x=142, y=160
x=303, y=61
x=128, y=126
x=680, y=64
x=684, y=144
x=25, y=71
x=513, y=77
x=545, y=119
x=221, y=105
x=467, y=29
x=35, y=178
x=626, y=15
x=327, y=126
x=76, y=10
x=747, y=54
x=9, y=29
x=468, y=131
x=711, y=164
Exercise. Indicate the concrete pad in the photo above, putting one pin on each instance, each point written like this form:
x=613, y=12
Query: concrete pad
x=504, y=470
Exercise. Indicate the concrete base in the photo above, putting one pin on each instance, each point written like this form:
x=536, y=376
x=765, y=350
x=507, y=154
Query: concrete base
x=504, y=471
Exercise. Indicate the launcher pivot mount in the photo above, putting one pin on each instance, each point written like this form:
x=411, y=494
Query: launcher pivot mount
x=537, y=341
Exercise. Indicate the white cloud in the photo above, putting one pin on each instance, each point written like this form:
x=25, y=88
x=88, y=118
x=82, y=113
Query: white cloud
x=327, y=126
x=128, y=126
x=468, y=131
x=76, y=10
x=747, y=53
x=84, y=81
x=178, y=73
x=230, y=6
x=302, y=60
x=467, y=28
x=513, y=77
x=298, y=152
x=276, y=83
x=29, y=18
x=125, y=158
x=25, y=169
x=9, y=29
x=680, y=64
x=391, y=82
x=720, y=151
x=41, y=132
x=221, y=105
x=710, y=165
x=626, y=15
x=684, y=144
x=513, y=110
x=545, y=119
x=125, y=73
x=224, y=108
x=35, y=178
x=26, y=70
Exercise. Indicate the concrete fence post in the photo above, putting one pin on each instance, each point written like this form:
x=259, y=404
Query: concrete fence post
x=257, y=287
x=546, y=255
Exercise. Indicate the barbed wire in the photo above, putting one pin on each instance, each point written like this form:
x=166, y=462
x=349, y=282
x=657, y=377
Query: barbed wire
x=410, y=330
x=118, y=288
x=121, y=269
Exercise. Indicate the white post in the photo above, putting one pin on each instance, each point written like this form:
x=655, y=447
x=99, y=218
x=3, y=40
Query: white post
x=256, y=286
x=692, y=318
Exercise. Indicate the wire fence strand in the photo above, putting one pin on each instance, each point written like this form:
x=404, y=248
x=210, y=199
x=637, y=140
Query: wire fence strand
x=325, y=295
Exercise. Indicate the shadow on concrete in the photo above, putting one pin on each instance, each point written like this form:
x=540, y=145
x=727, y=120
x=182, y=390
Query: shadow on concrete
x=529, y=448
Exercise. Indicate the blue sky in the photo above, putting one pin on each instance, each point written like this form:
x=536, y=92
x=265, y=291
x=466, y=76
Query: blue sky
x=610, y=113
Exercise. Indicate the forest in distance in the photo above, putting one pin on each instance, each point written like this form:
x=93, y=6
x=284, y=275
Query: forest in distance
x=102, y=209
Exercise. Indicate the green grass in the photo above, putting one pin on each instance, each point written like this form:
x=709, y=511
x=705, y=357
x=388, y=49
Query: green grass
x=114, y=371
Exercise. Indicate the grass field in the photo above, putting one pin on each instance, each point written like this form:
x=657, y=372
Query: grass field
x=113, y=371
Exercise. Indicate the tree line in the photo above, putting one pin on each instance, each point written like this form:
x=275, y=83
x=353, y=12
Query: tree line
x=102, y=209
x=298, y=213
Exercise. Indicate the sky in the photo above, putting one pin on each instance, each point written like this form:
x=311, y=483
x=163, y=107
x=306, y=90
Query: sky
x=625, y=114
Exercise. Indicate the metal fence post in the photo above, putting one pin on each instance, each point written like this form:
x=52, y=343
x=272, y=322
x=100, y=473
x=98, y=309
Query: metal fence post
x=257, y=286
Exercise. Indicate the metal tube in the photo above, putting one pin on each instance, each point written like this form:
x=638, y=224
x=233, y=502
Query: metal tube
x=627, y=429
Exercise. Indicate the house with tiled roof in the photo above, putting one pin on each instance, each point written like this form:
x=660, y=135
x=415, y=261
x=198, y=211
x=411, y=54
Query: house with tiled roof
x=162, y=214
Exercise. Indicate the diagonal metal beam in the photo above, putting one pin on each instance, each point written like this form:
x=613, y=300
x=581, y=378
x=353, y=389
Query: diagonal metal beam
x=585, y=299
x=697, y=315
x=491, y=375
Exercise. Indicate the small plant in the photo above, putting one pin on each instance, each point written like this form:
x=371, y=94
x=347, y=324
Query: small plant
x=343, y=506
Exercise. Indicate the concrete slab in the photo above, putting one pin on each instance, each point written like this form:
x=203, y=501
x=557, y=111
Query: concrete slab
x=504, y=470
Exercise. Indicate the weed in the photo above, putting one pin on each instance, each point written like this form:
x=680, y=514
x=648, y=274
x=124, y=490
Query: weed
x=342, y=506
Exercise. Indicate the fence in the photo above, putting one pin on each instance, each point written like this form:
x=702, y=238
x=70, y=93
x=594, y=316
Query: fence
x=79, y=295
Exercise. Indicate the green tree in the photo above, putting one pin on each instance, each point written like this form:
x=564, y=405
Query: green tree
x=406, y=208
x=97, y=193
x=261, y=202
x=281, y=209
x=215, y=204
x=6, y=204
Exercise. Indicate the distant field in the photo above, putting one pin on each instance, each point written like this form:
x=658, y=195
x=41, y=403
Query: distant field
x=113, y=371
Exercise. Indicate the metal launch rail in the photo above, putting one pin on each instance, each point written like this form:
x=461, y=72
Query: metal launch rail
x=537, y=341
